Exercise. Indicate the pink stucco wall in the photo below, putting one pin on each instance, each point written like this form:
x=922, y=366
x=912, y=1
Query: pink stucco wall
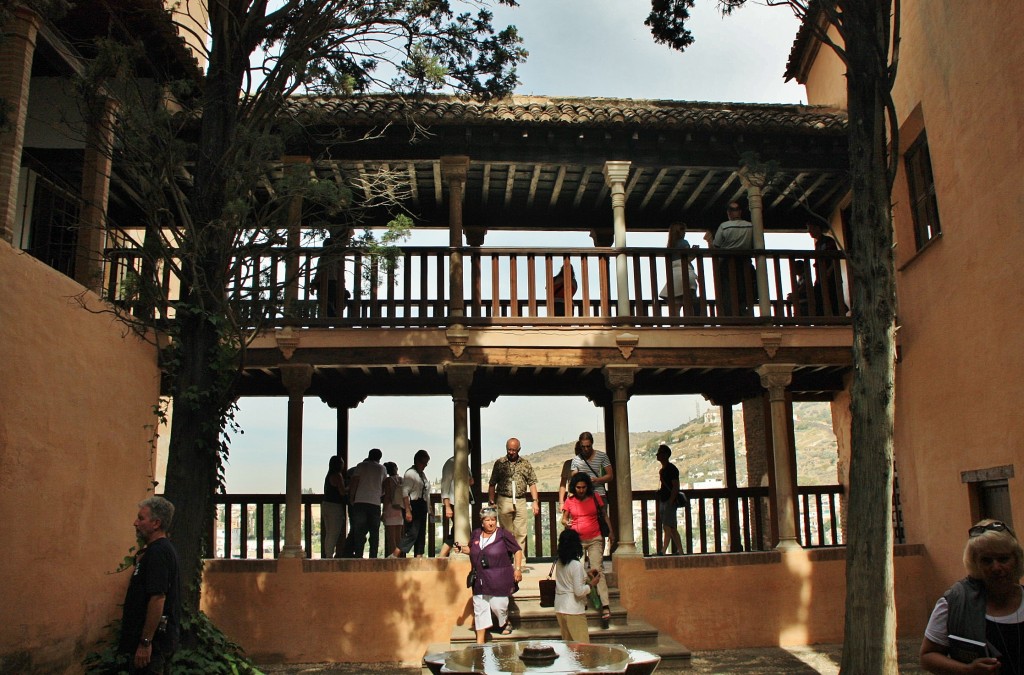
x=76, y=396
x=960, y=374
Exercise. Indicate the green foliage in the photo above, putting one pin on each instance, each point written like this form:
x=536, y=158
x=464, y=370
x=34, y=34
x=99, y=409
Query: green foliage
x=667, y=22
x=204, y=649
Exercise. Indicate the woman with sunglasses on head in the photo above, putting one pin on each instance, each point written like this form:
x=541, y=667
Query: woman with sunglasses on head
x=978, y=625
x=498, y=563
x=581, y=512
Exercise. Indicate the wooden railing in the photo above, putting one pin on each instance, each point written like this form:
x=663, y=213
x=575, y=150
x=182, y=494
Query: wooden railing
x=703, y=525
x=501, y=286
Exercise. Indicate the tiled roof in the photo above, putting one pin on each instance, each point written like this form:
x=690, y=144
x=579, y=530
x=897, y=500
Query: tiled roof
x=377, y=109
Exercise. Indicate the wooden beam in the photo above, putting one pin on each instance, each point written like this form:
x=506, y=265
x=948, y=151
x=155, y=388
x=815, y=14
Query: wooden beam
x=697, y=190
x=438, y=184
x=557, y=189
x=676, y=189
x=414, y=188
x=509, y=183
x=485, y=192
x=533, y=186
x=582, y=187
x=654, y=187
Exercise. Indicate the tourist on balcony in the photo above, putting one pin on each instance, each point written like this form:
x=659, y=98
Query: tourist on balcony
x=977, y=625
x=511, y=478
x=583, y=512
x=558, y=289
x=333, y=509
x=668, y=501
x=735, y=279
x=364, y=499
x=448, y=504
x=572, y=587
x=497, y=561
x=393, y=507
x=151, y=614
x=416, y=500
x=329, y=271
x=684, y=286
x=598, y=467
x=828, y=277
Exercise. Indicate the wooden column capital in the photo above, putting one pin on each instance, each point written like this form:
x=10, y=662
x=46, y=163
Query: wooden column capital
x=775, y=377
x=460, y=377
x=296, y=378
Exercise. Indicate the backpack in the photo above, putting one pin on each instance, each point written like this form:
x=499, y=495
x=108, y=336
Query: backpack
x=397, y=500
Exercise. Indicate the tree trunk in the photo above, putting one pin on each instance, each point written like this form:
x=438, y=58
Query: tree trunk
x=203, y=375
x=869, y=644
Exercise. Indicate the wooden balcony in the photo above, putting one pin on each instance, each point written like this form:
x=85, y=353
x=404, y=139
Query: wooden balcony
x=704, y=523
x=510, y=287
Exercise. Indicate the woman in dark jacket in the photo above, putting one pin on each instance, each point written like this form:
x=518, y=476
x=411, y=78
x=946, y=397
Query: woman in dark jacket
x=498, y=564
x=976, y=626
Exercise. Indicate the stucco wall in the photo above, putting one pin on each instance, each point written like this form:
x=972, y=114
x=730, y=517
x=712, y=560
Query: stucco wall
x=344, y=610
x=959, y=380
x=75, y=398
x=377, y=611
x=757, y=599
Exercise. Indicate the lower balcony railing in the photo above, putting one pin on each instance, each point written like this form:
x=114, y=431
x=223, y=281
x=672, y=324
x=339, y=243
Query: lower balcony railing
x=252, y=525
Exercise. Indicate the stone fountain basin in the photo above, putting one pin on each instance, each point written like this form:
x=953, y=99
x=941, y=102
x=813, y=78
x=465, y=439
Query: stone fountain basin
x=569, y=657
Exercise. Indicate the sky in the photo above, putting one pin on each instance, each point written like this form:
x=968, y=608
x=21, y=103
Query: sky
x=577, y=48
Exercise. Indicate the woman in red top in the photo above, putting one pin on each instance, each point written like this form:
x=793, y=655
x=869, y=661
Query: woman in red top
x=580, y=513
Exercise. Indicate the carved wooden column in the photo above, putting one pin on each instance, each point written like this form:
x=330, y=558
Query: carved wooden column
x=475, y=462
x=296, y=165
x=757, y=220
x=615, y=175
x=460, y=377
x=96, y=168
x=619, y=379
x=16, y=51
x=296, y=379
x=775, y=377
x=454, y=170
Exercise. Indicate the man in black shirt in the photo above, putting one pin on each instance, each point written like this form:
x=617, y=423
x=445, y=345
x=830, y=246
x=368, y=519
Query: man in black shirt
x=668, y=501
x=151, y=615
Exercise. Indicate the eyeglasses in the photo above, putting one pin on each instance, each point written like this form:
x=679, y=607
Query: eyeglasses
x=994, y=526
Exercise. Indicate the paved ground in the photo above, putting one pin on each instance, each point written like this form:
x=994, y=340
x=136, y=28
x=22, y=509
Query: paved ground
x=822, y=659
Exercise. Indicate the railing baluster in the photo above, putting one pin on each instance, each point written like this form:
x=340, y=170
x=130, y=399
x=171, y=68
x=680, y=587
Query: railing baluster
x=243, y=530
x=227, y=531
x=307, y=526
x=260, y=507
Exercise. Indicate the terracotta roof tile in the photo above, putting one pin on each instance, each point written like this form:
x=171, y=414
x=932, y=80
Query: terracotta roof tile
x=376, y=109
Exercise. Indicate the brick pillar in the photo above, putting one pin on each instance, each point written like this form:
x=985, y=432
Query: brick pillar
x=16, y=51
x=92, y=221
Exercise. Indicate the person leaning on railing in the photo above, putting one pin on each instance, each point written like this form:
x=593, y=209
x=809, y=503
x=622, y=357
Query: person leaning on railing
x=734, y=275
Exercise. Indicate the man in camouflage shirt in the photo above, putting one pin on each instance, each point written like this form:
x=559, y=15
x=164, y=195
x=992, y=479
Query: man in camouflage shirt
x=511, y=477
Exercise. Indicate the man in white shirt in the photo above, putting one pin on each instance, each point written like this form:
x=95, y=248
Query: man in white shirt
x=736, y=289
x=365, y=492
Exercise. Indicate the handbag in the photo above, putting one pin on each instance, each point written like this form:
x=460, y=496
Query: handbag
x=547, y=589
x=471, y=578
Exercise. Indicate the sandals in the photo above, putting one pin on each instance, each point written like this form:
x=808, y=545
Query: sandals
x=506, y=629
x=606, y=617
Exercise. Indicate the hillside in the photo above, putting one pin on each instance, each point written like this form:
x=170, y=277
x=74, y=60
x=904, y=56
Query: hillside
x=697, y=451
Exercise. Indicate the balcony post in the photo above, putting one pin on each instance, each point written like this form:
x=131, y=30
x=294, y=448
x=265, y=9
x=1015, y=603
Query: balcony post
x=775, y=377
x=296, y=379
x=16, y=52
x=757, y=220
x=460, y=377
x=619, y=379
x=615, y=175
x=299, y=165
x=454, y=169
x=95, y=189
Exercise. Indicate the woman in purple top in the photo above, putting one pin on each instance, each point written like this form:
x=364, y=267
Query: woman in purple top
x=498, y=563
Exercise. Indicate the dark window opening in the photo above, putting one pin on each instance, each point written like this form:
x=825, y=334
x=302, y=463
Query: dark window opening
x=923, y=206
